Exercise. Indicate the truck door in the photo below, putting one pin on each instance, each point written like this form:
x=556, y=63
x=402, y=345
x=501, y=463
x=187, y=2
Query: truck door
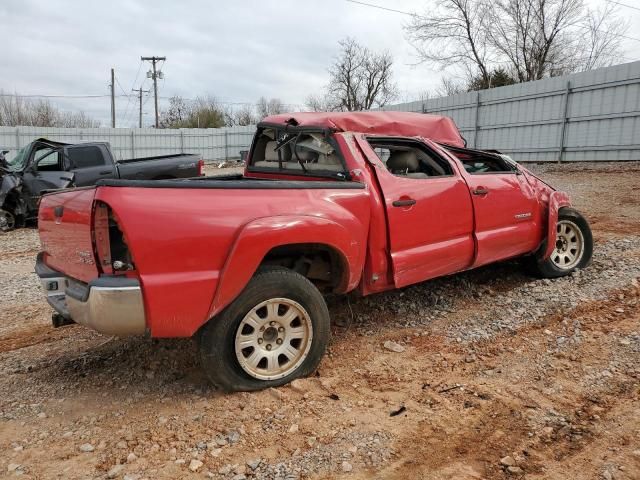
x=428, y=207
x=507, y=215
x=45, y=172
x=89, y=163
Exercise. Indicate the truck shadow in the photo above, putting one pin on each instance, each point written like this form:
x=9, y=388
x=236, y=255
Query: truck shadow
x=418, y=305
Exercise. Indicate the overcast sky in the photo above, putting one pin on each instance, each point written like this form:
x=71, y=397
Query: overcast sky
x=236, y=51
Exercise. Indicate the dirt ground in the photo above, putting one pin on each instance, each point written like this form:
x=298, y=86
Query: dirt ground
x=500, y=375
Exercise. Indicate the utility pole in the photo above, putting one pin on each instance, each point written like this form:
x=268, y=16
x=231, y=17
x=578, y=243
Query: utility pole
x=140, y=92
x=113, y=99
x=154, y=75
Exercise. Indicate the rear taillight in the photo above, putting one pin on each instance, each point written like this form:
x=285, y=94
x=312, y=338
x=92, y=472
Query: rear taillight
x=111, y=250
x=200, y=167
x=101, y=237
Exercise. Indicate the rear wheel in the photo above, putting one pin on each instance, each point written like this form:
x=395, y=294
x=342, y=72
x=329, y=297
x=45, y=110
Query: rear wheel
x=573, y=248
x=7, y=221
x=275, y=331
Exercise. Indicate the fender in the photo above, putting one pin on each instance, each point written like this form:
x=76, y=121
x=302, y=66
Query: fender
x=260, y=236
x=11, y=189
x=557, y=200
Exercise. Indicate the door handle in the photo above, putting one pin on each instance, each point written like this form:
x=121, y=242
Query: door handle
x=404, y=203
x=105, y=172
x=480, y=191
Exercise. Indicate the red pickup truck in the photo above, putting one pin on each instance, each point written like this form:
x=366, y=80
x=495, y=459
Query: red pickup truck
x=328, y=202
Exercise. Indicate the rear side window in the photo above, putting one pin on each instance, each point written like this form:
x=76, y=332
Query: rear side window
x=85, y=157
x=477, y=162
x=408, y=159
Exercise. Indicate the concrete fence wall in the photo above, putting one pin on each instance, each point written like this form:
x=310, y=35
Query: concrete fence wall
x=213, y=144
x=585, y=116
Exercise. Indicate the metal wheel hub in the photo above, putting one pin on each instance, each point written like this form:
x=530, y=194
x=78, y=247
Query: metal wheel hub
x=273, y=339
x=569, y=245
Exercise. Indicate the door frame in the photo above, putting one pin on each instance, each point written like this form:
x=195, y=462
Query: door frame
x=432, y=255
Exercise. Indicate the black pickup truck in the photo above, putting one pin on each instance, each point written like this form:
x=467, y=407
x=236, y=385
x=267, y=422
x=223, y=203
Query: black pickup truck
x=47, y=165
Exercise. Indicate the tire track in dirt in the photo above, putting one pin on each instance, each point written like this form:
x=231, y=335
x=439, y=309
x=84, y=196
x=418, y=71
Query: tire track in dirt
x=470, y=446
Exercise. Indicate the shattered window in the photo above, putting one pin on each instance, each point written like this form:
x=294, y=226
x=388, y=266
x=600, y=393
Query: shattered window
x=307, y=153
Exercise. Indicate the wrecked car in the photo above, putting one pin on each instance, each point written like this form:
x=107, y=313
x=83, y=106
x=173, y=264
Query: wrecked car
x=327, y=203
x=47, y=165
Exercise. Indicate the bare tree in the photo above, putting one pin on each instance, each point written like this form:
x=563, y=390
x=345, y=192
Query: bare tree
x=272, y=106
x=600, y=45
x=13, y=110
x=242, y=116
x=176, y=114
x=533, y=35
x=319, y=103
x=203, y=112
x=359, y=79
x=16, y=111
x=529, y=39
x=76, y=120
x=453, y=34
x=449, y=86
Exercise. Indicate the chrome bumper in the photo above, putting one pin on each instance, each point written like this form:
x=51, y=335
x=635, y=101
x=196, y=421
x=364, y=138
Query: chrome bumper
x=109, y=305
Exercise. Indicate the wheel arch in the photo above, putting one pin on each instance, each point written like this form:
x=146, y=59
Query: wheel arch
x=284, y=239
x=557, y=200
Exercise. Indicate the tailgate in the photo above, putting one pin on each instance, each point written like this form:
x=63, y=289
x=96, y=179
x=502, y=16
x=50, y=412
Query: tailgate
x=65, y=225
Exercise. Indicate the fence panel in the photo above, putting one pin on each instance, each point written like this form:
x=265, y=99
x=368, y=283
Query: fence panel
x=589, y=116
x=585, y=116
x=213, y=144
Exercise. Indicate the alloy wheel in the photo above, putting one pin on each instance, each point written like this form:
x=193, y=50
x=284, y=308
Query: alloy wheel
x=273, y=339
x=569, y=245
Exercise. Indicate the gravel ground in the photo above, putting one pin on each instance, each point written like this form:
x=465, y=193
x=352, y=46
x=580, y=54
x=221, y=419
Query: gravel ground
x=486, y=374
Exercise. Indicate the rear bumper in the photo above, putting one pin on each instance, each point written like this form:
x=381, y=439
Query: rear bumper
x=109, y=305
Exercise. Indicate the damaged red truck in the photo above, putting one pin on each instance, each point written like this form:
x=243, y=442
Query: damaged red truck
x=328, y=202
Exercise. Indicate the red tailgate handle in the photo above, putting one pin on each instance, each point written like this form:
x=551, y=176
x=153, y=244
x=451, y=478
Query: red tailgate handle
x=480, y=191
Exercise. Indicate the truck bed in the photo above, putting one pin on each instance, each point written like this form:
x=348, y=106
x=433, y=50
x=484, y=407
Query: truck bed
x=193, y=226
x=156, y=157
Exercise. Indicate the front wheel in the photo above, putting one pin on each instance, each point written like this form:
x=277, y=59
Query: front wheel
x=275, y=331
x=573, y=249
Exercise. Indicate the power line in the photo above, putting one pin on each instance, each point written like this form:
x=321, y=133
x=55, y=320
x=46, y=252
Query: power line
x=623, y=5
x=19, y=95
x=126, y=110
x=385, y=8
x=414, y=15
x=53, y=96
x=160, y=97
x=124, y=117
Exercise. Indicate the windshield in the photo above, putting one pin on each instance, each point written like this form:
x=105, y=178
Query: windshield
x=15, y=160
x=305, y=152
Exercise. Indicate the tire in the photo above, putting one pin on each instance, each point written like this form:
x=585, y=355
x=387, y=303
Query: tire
x=573, y=233
x=7, y=221
x=279, y=310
